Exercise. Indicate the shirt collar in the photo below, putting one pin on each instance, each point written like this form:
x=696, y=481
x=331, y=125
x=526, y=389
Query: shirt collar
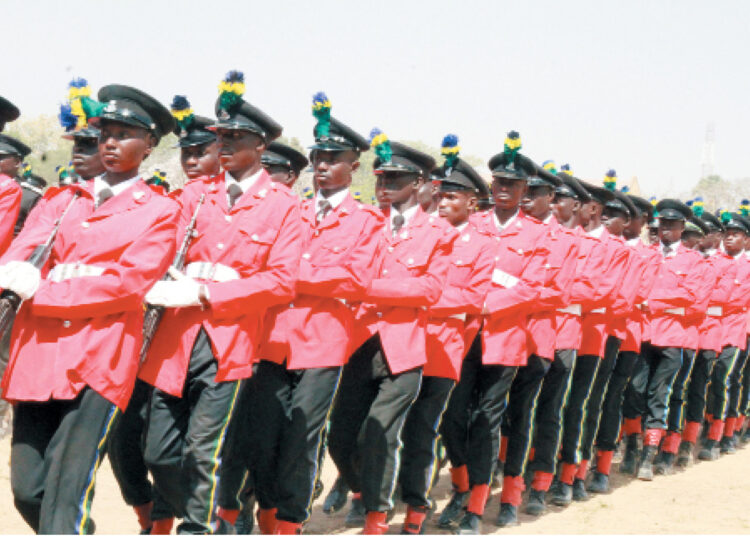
x=501, y=226
x=100, y=185
x=674, y=248
x=548, y=219
x=335, y=200
x=408, y=214
x=245, y=183
x=462, y=226
x=596, y=233
x=634, y=241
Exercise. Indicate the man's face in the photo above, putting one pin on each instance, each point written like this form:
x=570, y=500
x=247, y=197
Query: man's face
x=633, y=229
x=239, y=150
x=9, y=164
x=653, y=235
x=427, y=193
x=85, y=157
x=200, y=160
x=508, y=192
x=123, y=147
x=282, y=175
x=332, y=170
x=670, y=231
x=691, y=240
x=734, y=241
x=396, y=187
x=564, y=207
x=615, y=221
x=537, y=201
x=457, y=206
x=710, y=241
x=589, y=211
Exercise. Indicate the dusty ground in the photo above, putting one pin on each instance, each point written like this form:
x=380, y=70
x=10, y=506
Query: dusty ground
x=707, y=498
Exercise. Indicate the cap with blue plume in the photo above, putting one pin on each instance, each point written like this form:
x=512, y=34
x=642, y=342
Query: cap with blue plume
x=182, y=112
x=512, y=145
x=450, y=149
x=724, y=215
x=231, y=90
x=381, y=145
x=64, y=173
x=565, y=168
x=80, y=108
x=550, y=166
x=610, y=180
x=744, y=209
x=357, y=196
x=26, y=169
x=321, y=109
x=697, y=207
x=307, y=192
x=625, y=189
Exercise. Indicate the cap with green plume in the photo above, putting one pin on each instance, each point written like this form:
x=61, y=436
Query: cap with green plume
x=321, y=109
x=381, y=145
x=231, y=90
x=610, y=180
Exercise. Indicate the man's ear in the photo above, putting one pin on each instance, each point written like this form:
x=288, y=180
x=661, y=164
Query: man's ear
x=151, y=143
x=473, y=203
x=261, y=145
x=355, y=166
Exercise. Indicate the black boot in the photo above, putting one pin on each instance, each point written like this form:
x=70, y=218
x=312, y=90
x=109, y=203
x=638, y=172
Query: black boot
x=535, y=505
x=726, y=446
x=563, y=494
x=355, y=517
x=646, y=468
x=665, y=465
x=579, y=490
x=599, y=483
x=709, y=452
x=685, y=454
x=508, y=515
x=453, y=509
x=336, y=498
x=630, y=458
x=471, y=523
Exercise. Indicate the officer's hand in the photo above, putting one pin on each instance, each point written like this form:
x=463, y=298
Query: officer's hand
x=21, y=277
x=184, y=292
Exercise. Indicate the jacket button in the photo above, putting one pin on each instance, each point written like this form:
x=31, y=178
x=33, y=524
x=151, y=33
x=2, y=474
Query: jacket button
x=220, y=245
x=85, y=224
x=228, y=218
x=66, y=323
x=459, y=262
x=410, y=261
x=385, y=272
x=336, y=249
x=254, y=237
x=306, y=256
x=390, y=249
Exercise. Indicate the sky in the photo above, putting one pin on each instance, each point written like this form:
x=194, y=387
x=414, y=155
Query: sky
x=624, y=85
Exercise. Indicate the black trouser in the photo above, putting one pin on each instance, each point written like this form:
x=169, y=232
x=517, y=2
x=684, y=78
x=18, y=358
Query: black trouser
x=598, y=393
x=695, y=409
x=471, y=424
x=745, y=392
x=56, y=449
x=678, y=398
x=664, y=364
x=420, y=436
x=549, y=410
x=522, y=400
x=290, y=407
x=185, y=436
x=366, y=423
x=4, y=356
x=634, y=402
x=584, y=373
x=735, y=385
x=718, y=404
x=611, y=419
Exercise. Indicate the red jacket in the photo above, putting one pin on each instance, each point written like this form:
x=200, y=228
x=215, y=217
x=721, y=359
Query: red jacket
x=647, y=261
x=625, y=297
x=335, y=271
x=254, y=251
x=735, y=314
x=596, y=321
x=10, y=205
x=517, y=288
x=679, y=283
x=86, y=330
x=412, y=267
x=469, y=275
x=711, y=331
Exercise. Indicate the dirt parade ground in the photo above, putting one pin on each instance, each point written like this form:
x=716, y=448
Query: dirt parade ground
x=707, y=498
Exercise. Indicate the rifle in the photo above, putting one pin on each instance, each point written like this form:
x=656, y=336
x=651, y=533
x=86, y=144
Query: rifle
x=10, y=302
x=152, y=317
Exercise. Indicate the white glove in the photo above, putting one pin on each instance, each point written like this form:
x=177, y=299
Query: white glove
x=183, y=292
x=21, y=277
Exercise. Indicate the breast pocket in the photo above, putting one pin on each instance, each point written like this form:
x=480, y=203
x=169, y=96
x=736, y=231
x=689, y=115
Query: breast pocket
x=460, y=272
x=256, y=244
x=416, y=262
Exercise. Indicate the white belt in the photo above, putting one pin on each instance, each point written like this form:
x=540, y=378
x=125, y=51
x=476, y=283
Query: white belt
x=459, y=316
x=679, y=311
x=211, y=272
x=504, y=279
x=715, y=310
x=61, y=272
x=600, y=310
x=571, y=309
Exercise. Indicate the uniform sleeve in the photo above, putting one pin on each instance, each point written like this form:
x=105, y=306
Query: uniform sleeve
x=721, y=294
x=611, y=277
x=648, y=276
x=627, y=291
x=708, y=280
x=10, y=205
x=271, y=286
x=124, y=283
x=683, y=294
x=584, y=285
x=525, y=294
x=469, y=299
x=560, y=268
x=418, y=291
x=350, y=279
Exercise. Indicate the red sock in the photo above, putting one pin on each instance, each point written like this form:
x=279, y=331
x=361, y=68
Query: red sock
x=717, y=428
x=568, y=473
x=478, y=499
x=375, y=523
x=460, y=478
x=632, y=426
x=287, y=527
x=740, y=423
x=266, y=520
x=143, y=512
x=582, y=468
x=503, y=449
x=691, y=432
x=652, y=437
x=671, y=443
x=513, y=486
x=228, y=515
x=414, y=519
x=162, y=526
x=542, y=481
x=729, y=426
x=604, y=461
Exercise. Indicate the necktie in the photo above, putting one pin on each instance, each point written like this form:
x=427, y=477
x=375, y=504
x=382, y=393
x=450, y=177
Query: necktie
x=324, y=206
x=234, y=192
x=103, y=196
x=667, y=250
x=397, y=223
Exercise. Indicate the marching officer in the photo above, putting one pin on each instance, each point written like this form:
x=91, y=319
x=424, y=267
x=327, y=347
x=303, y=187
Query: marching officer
x=283, y=163
x=12, y=153
x=84, y=319
x=305, y=344
x=199, y=149
x=76, y=118
x=448, y=331
x=383, y=376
